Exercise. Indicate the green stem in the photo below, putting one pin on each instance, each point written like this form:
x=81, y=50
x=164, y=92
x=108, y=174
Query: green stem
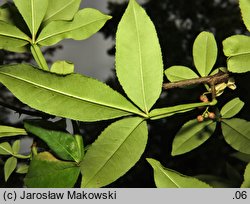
x=38, y=56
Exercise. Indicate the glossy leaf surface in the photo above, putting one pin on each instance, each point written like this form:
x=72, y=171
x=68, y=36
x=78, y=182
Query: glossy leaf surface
x=115, y=151
x=72, y=96
x=139, y=64
x=192, y=135
x=167, y=178
x=63, y=144
x=46, y=171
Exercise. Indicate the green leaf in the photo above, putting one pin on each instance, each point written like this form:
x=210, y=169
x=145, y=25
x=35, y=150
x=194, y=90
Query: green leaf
x=139, y=64
x=232, y=108
x=192, y=135
x=245, y=8
x=167, y=178
x=46, y=171
x=33, y=12
x=79, y=141
x=86, y=22
x=7, y=131
x=169, y=111
x=5, y=149
x=115, y=151
x=63, y=144
x=237, y=134
x=5, y=14
x=179, y=73
x=215, y=181
x=204, y=53
x=246, y=183
x=237, y=49
x=16, y=147
x=9, y=167
x=62, y=67
x=22, y=169
x=11, y=37
x=72, y=96
x=61, y=10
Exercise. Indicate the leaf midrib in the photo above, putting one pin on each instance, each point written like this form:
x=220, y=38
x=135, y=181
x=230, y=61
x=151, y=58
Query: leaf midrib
x=69, y=30
x=140, y=60
x=68, y=95
x=101, y=167
x=244, y=136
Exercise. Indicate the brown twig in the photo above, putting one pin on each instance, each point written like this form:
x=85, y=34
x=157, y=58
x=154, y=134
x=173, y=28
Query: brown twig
x=211, y=80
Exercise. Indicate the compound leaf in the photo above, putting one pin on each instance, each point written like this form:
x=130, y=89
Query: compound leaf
x=204, y=53
x=45, y=171
x=168, y=178
x=72, y=96
x=192, y=135
x=231, y=108
x=237, y=134
x=139, y=64
x=33, y=12
x=86, y=22
x=115, y=151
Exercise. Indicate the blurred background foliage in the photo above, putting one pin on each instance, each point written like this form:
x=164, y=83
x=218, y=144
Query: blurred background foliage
x=177, y=23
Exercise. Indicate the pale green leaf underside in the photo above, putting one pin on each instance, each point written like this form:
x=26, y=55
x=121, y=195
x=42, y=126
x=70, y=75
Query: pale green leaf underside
x=46, y=171
x=204, y=53
x=169, y=111
x=246, y=183
x=237, y=49
x=7, y=131
x=167, y=178
x=192, y=135
x=178, y=73
x=5, y=149
x=115, y=151
x=63, y=144
x=139, y=63
x=72, y=96
x=61, y=10
x=237, y=134
x=232, y=108
x=62, y=67
x=9, y=167
x=245, y=8
x=33, y=12
x=86, y=22
x=11, y=37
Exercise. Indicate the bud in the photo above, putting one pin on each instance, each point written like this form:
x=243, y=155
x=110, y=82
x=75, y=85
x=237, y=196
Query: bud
x=204, y=98
x=211, y=115
x=200, y=118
